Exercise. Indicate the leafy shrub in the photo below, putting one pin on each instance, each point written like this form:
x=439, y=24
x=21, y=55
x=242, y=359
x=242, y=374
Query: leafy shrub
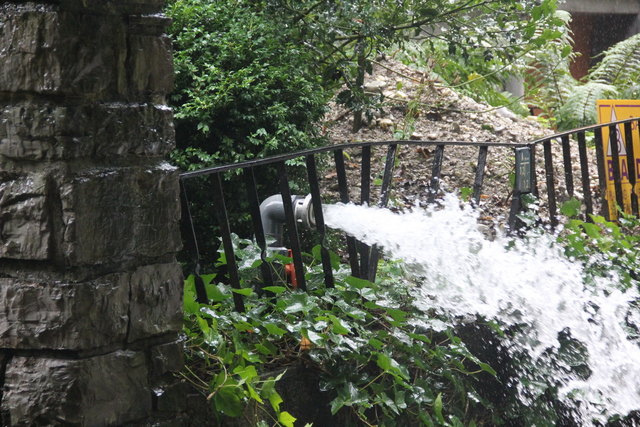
x=570, y=102
x=243, y=90
x=605, y=247
x=379, y=359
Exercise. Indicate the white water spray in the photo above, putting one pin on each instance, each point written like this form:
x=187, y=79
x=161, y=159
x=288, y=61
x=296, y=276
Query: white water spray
x=532, y=282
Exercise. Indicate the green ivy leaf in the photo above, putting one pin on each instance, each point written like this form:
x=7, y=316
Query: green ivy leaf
x=485, y=367
x=217, y=293
x=336, y=405
x=357, y=282
x=286, y=419
x=228, y=400
x=274, y=330
x=570, y=208
x=253, y=394
x=437, y=408
x=244, y=291
x=339, y=326
x=246, y=373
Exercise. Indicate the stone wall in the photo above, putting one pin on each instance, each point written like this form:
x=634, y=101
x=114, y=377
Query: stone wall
x=90, y=292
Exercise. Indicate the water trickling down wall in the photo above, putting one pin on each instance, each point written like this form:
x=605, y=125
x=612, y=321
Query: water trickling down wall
x=90, y=292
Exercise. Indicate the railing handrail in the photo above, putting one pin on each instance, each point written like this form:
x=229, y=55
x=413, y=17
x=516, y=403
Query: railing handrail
x=363, y=259
x=329, y=148
x=359, y=144
x=582, y=129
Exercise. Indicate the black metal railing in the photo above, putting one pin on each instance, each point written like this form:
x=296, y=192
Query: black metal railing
x=363, y=259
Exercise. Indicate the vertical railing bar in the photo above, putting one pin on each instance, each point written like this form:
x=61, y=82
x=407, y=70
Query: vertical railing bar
x=365, y=175
x=388, y=174
x=258, y=230
x=365, y=195
x=584, y=173
x=225, y=230
x=192, y=245
x=435, y=173
x=602, y=173
x=294, y=239
x=479, y=178
x=316, y=200
x=615, y=157
x=566, y=160
x=343, y=188
x=384, y=200
x=631, y=166
x=551, y=192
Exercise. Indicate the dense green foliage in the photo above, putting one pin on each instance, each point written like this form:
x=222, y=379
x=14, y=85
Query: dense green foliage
x=348, y=34
x=603, y=247
x=571, y=103
x=378, y=356
x=243, y=88
x=380, y=359
x=480, y=62
x=252, y=77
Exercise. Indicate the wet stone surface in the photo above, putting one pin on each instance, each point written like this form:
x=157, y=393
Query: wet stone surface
x=42, y=53
x=89, y=215
x=31, y=131
x=100, y=215
x=115, y=214
x=103, y=390
x=156, y=305
x=24, y=219
x=59, y=315
x=94, y=314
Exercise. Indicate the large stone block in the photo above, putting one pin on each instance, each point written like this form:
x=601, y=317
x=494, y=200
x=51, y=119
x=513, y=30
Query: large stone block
x=59, y=315
x=103, y=215
x=112, y=215
x=113, y=6
x=167, y=358
x=156, y=304
x=99, y=391
x=24, y=219
x=150, y=62
x=45, y=131
x=95, y=314
x=42, y=53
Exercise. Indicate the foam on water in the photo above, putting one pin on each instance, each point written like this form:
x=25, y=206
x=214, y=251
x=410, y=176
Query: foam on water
x=529, y=281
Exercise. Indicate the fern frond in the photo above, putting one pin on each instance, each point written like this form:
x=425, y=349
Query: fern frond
x=632, y=92
x=620, y=65
x=548, y=80
x=580, y=108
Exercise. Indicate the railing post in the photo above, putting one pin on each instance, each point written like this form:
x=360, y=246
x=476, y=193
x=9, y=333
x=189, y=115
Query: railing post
x=294, y=240
x=344, y=198
x=365, y=195
x=551, y=188
x=191, y=245
x=223, y=221
x=319, y=219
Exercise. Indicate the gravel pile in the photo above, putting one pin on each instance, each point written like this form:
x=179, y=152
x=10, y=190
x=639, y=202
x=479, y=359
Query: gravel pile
x=420, y=109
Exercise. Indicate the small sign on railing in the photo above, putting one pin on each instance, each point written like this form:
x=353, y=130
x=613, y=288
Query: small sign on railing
x=523, y=170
